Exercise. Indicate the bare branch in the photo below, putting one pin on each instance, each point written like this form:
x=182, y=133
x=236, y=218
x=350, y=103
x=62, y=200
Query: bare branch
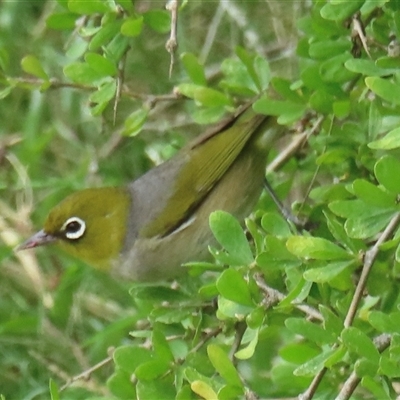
x=172, y=42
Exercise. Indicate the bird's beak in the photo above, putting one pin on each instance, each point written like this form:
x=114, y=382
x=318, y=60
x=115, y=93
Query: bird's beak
x=38, y=239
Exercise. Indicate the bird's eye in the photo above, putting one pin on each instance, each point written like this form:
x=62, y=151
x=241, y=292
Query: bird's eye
x=73, y=228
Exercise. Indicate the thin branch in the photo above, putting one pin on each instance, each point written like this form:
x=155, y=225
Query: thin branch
x=297, y=142
x=309, y=393
x=313, y=179
x=281, y=208
x=274, y=296
x=382, y=342
x=125, y=91
x=120, y=82
x=85, y=375
x=172, y=42
x=209, y=335
x=369, y=259
x=240, y=329
x=358, y=31
x=211, y=33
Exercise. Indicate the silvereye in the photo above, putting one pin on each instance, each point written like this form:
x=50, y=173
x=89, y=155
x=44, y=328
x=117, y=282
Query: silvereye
x=147, y=229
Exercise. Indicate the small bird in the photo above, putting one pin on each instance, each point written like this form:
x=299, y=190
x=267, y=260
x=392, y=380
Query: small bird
x=144, y=231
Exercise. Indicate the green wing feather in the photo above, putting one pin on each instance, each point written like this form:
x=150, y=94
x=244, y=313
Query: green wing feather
x=208, y=158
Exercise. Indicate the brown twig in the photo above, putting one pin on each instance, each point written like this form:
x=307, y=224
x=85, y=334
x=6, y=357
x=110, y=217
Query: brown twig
x=369, y=259
x=209, y=335
x=240, y=329
x=172, y=42
x=125, y=91
x=273, y=296
x=297, y=142
x=85, y=375
x=120, y=82
x=381, y=342
x=358, y=31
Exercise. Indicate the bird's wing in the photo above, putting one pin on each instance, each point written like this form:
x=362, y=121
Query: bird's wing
x=208, y=158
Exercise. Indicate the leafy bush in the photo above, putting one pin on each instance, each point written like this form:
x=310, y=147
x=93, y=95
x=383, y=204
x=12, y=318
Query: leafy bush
x=306, y=305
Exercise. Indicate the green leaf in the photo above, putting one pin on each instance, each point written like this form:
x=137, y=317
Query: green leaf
x=341, y=109
x=101, y=64
x=229, y=392
x=384, y=88
x=54, y=393
x=328, y=272
x=248, y=60
x=388, y=62
x=337, y=230
x=372, y=195
x=120, y=385
x=88, y=7
x=263, y=71
x=358, y=342
x=388, y=142
x=385, y=323
x=286, y=110
x=237, y=79
x=159, y=20
x=332, y=323
x=276, y=255
x=339, y=11
x=82, y=73
x=61, y=21
x=116, y=48
x=248, y=351
x=315, y=248
x=384, y=172
x=105, y=35
x=134, y=123
x=204, y=390
x=230, y=309
x=151, y=370
x=316, y=364
x=329, y=48
x=204, y=95
x=221, y=362
x=389, y=367
x=276, y=225
x=128, y=358
x=299, y=352
x=105, y=93
x=378, y=392
x=397, y=253
x=310, y=331
x=333, y=70
x=364, y=367
x=363, y=220
x=365, y=67
x=155, y=389
x=132, y=27
x=161, y=347
x=64, y=296
x=185, y=393
x=31, y=65
x=193, y=375
x=208, y=115
x=365, y=227
x=232, y=286
x=231, y=237
x=255, y=319
x=194, y=69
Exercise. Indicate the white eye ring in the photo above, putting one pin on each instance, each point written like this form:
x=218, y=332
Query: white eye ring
x=74, y=228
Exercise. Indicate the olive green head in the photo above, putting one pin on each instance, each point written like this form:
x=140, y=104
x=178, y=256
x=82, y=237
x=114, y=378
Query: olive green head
x=89, y=224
